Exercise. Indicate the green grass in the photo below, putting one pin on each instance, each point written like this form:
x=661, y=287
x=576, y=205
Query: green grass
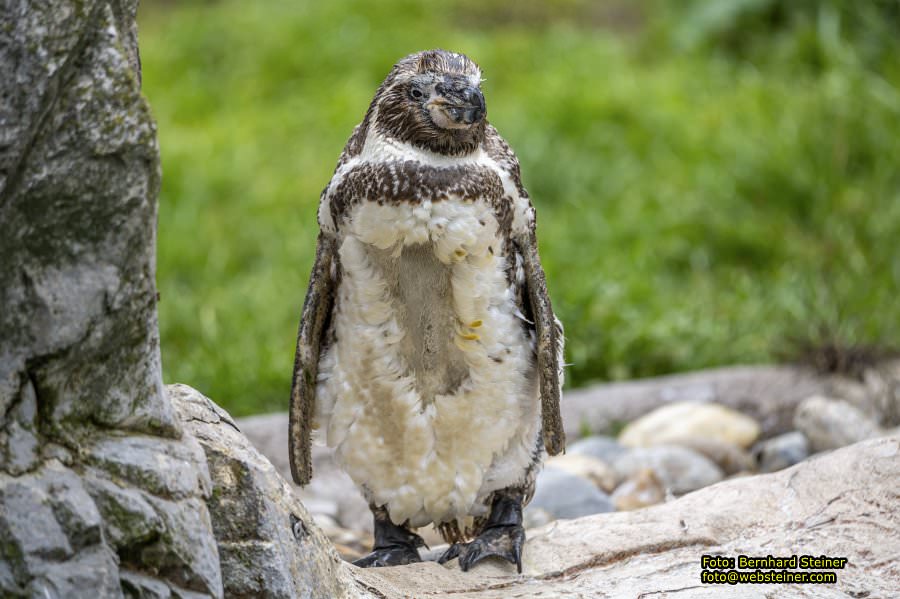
x=701, y=200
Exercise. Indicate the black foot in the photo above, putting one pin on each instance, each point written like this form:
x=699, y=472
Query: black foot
x=503, y=535
x=394, y=545
x=500, y=541
x=389, y=556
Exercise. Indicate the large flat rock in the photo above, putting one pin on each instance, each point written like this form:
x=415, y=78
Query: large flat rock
x=845, y=503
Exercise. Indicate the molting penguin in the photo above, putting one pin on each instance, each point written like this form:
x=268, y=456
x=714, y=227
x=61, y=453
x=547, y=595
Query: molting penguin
x=428, y=351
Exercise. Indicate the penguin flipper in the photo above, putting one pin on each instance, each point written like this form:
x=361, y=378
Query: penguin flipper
x=549, y=348
x=314, y=322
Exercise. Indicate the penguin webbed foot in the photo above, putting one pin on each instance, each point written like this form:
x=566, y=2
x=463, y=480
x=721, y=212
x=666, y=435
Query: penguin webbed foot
x=394, y=545
x=398, y=555
x=503, y=535
x=500, y=541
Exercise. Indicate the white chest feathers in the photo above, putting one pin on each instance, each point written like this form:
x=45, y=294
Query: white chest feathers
x=429, y=392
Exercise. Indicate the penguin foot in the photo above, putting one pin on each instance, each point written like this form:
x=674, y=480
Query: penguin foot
x=500, y=541
x=394, y=545
x=398, y=555
x=502, y=536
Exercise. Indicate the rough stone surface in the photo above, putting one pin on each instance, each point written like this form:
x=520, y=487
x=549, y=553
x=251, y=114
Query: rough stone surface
x=839, y=504
x=832, y=423
x=79, y=174
x=267, y=542
x=680, y=469
x=687, y=421
x=103, y=493
x=781, y=452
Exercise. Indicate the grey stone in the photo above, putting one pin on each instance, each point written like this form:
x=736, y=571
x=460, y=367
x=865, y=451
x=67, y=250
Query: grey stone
x=564, y=495
x=179, y=593
x=79, y=173
x=128, y=519
x=255, y=570
x=73, y=507
x=598, y=446
x=269, y=544
x=18, y=440
x=138, y=586
x=727, y=456
x=832, y=423
x=29, y=525
x=90, y=573
x=185, y=551
x=781, y=452
x=79, y=342
x=768, y=394
x=173, y=469
x=598, y=472
x=680, y=469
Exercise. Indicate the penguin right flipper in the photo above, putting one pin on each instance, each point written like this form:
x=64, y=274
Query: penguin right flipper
x=314, y=323
x=549, y=348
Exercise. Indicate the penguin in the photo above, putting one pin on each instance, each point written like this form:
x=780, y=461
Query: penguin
x=428, y=353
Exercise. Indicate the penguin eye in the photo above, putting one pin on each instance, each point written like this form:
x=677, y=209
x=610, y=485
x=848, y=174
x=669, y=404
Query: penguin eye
x=416, y=93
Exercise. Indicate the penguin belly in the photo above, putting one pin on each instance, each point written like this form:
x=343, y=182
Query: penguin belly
x=428, y=391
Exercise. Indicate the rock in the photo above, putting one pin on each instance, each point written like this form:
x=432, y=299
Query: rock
x=832, y=423
x=642, y=489
x=680, y=469
x=79, y=175
x=173, y=469
x=329, y=486
x=601, y=447
x=52, y=541
x=268, y=544
x=589, y=468
x=730, y=458
x=781, y=452
x=128, y=518
x=564, y=495
x=876, y=393
x=139, y=586
x=767, y=394
x=686, y=421
x=839, y=504
x=104, y=493
x=184, y=553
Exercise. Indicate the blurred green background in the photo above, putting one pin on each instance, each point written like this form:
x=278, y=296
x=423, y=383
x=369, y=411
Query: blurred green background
x=716, y=181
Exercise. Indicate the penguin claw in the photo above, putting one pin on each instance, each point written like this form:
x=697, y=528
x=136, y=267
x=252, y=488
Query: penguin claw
x=501, y=541
x=452, y=552
x=397, y=555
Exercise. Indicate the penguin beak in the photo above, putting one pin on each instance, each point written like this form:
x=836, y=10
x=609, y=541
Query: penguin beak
x=460, y=103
